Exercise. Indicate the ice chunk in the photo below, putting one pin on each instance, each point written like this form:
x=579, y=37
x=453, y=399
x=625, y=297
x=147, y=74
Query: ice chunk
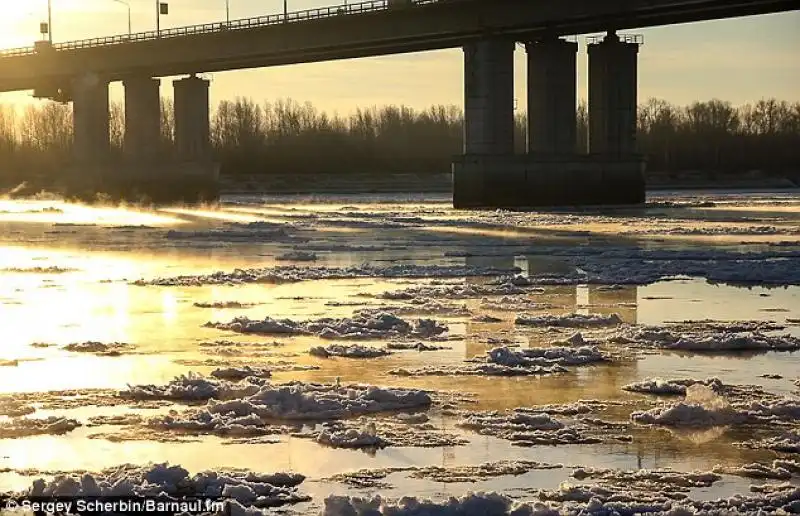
x=673, y=386
x=365, y=324
x=240, y=373
x=247, y=488
x=570, y=320
x=23, y=427
x=702, y=407
x=352, y=351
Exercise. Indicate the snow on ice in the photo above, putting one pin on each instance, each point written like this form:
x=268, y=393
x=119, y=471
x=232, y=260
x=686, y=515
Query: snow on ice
x=366, y=324
x=100, y=348
x=24, y=427
x=505, y=361
x=353, y=351
x=246, y=488
x=570, y=320
x=707, y=342
x=297, y=273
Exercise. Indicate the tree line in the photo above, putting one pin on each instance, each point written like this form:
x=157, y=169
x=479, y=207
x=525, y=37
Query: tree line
x=285, y=136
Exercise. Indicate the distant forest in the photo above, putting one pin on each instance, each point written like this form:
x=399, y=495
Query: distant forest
x=712, y=137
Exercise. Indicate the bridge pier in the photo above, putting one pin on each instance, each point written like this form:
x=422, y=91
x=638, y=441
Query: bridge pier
x=489, y=97
x=552, y=96
x=612, y=95
x=488, y=114
x=192, y=129
x=90, y=120
x=613, y=85
x=142, y=119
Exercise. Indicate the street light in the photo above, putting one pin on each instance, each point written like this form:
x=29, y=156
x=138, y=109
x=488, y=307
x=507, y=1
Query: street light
x=50, y=21
x=285, y=9
x=161, y=8
x=228, y=11
x=128, y=5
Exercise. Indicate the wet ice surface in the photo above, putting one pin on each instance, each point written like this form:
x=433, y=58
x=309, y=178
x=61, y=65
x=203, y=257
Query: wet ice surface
x=394, y=346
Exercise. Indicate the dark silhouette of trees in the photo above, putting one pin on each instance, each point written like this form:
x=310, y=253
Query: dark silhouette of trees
x=712, y=137
x=716, y=138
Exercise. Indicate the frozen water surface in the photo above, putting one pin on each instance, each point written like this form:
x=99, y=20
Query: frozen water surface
x=96, y=302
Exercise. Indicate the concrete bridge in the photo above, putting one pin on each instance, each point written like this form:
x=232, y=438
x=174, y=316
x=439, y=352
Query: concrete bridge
x=488, y=174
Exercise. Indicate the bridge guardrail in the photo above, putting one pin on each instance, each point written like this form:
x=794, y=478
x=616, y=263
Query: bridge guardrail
x=207, y=28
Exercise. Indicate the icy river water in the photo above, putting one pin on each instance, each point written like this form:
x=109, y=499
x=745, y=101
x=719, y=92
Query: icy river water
x=393, y=346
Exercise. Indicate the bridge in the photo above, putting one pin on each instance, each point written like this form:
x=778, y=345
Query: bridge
x=488, y=174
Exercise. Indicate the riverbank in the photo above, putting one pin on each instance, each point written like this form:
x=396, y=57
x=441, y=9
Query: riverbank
x=442, y=183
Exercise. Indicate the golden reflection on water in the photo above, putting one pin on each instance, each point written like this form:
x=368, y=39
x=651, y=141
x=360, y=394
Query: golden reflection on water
x=69, y=213
x=166, y=328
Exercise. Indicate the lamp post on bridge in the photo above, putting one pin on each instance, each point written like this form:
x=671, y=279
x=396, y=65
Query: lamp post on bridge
x=50, y=21
x=161, y=8
x=228, y=11
x=128, y=5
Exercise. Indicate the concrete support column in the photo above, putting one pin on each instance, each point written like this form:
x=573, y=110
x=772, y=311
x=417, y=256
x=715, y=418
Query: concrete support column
x=552, y=96
x=142, y=118
x=192, y=131
x=613, y=96
x=90, y=120
x=489, y=97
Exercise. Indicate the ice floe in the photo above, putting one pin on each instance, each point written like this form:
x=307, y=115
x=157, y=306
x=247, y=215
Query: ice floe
x=239, y=487
x=485, y=318
x=570, y=320
x=252, y=408
x=100, y=348
x=240, y=373
x=53, y=269
x=524, y=428
x=296, y=273
x=14, y=408
x=429, y=307
x=189, y=388
x=352, y=351
x=545, y=357
x=515, y=304
x=223, y=304
x=297, y=256
x=370, y=433
x=505, y=361
x=458, y=291
x=702, y=407
x=673, y=386
x=706, y=342
x=23, y=427
x=462, y=474
x=120, y=420
x=470, y=505
x=365, y=324
x=789, y=442
x=779, y=470
x=414, y=346
x=706, y=405
x=367, y=437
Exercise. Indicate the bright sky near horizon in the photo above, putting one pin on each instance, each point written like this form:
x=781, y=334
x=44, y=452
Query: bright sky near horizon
x=740, y=60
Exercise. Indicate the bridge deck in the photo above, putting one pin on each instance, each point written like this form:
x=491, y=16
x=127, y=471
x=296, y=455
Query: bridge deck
x=374, y=27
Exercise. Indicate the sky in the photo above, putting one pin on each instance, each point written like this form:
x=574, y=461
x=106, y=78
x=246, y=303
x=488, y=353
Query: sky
x=740, y=60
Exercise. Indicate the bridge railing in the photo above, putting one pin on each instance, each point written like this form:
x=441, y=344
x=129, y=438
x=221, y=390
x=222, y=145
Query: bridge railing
x=241, y=24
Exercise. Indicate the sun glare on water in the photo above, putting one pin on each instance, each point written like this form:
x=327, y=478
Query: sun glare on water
x=66, y=213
